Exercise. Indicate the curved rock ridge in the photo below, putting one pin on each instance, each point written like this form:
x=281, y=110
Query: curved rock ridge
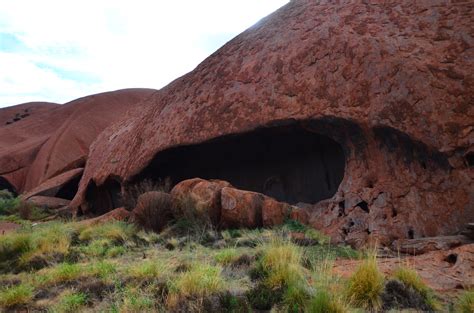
x=13, y=114
x=391, y=83
x=57, y=138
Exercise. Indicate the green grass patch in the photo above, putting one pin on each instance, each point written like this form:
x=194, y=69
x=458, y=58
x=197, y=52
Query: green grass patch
x=117, y=231
x=15, y=295
x=71, y=303
x=226, y=256
x=200, y=281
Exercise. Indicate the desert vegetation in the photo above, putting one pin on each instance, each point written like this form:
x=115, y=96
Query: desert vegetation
x=117, y=266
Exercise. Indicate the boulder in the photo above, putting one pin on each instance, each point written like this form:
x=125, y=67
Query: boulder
x=241, y=208
x=48, y=202
x=205, y=195
x=366, y=105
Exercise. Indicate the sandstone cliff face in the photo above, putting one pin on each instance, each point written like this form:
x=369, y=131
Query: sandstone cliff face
x=383, y=91
x=54, y=139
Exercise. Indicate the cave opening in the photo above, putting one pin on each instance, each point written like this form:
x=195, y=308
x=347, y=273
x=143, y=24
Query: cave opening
x=5, y=185
x=288, y=163
x=104, y=198
x=69, y=190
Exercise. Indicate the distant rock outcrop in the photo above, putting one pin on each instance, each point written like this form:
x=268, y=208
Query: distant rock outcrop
x=54, y=139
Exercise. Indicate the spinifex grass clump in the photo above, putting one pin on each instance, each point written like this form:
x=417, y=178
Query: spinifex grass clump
x=281, y=273
x=200, y=281
x=366, y=285
x=411, y=279
x=328, y=295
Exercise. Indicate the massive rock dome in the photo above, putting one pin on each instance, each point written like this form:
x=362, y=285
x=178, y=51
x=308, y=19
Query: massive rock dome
x=360, y=113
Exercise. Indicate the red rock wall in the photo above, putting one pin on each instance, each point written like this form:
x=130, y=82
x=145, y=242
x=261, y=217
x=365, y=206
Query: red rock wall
x=391, y=82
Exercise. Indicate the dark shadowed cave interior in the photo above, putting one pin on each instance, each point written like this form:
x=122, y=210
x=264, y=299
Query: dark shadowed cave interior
x=5, y=184
x=287, y=163
x=69, y=190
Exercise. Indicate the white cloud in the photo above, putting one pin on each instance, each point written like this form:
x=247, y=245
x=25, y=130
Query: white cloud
x=74, y=48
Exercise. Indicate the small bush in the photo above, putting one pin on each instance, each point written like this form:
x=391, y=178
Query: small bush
x=8, y=203
x=365, y=286
x=198, y=214
x=154, y=210
x=226, y=256
x=15, y=295
x=132, y=192
x=465, y=303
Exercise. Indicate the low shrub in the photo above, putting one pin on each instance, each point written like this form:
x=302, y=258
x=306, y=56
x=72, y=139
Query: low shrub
x=154, y=210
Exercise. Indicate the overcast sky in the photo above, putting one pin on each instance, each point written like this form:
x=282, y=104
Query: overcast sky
x=58, y=50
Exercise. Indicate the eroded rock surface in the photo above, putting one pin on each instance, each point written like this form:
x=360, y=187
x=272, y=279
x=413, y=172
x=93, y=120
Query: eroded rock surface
x=444, y=271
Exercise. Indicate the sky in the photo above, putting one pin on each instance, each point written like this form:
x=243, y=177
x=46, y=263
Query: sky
x=59, y=50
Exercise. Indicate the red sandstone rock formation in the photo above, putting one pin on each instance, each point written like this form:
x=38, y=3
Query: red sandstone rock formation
x=372, y=102
x=55, y=139
x=19, y=112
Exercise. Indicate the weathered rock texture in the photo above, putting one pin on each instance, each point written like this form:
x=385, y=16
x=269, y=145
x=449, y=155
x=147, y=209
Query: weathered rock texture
x=444, y=271
x=378, y=95
x=54, y=139
x=19, y=112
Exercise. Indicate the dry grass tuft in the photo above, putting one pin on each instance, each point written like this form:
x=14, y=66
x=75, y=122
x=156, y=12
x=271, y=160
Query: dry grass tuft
x=365, y=286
